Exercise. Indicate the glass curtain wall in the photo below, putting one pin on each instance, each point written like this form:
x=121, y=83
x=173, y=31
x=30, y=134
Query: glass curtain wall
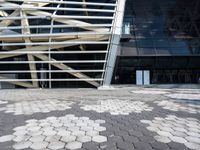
x=165, y=39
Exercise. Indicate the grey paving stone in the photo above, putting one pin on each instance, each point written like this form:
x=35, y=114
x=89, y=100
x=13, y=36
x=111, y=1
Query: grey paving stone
x=177, y=146
x=91, y=146
x=106, y=133
x=125, y=146
x=108, y=145
x=159, y=146
x=115, y=139
x=107, y=125
x=147, y=139
x=135, y=133
x=147, y=132
x=130, y=139
x=113, y=124
x=121, y=133
x=114, y=128
x=192, y=145
x=142, y=146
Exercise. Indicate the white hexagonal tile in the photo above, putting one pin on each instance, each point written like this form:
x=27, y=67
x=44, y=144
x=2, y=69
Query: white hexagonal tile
x=178, y=139
x=30, y=107
x=67, y=139
x=73, y=145
x=99, y=128
x=118, y=107
x=3, y=102
x=38, y=138
x=164, y=133
x=56, y=145
x=52, y=138
x=92, y=133
x=49, y=133
x=63, y=133
x=162, y=139
x=78, y=133
x=99, y=139
x=20, y=132
x=36, y=134
x=6, y=138
x=181, y=130
x=21, y=138
x=100, y=121
x=39, y=145
x=193, y=139
x=84, y=139
x=22, y=145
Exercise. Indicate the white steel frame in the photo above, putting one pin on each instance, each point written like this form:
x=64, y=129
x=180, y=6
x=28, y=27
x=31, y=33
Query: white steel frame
x=40, y=45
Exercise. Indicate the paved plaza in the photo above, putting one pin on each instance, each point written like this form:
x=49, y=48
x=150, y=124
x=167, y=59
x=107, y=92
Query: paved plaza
x=126, y=118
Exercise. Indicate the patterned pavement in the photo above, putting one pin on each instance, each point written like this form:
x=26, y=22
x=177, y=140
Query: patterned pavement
x=127, y=118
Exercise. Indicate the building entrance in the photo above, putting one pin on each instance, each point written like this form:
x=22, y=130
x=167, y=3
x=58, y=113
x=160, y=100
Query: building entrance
x=163, y=70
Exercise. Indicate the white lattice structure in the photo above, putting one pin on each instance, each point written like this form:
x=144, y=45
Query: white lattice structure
x=43, y=42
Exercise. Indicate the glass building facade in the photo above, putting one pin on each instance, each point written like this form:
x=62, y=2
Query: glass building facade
x=162, y=37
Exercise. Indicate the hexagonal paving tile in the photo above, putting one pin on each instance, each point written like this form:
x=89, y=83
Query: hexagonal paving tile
x=54, y=134
x=3, y=102
x=56, y=145
x=184, y=96
x=22, y=145
x=118, y=107
x=38, y=138
x=181, y=130
x=6, y=138
x=31, y=107
x=99, y=139
x=68, y=139
x=74, y=145
x=179, y=106
x=84, y=139
x=39, y=145
x=148, y=91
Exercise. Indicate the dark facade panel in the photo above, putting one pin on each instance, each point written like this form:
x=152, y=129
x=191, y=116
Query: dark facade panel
x=162, y=28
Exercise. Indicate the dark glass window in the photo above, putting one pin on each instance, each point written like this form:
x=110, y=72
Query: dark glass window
x=169, y=27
